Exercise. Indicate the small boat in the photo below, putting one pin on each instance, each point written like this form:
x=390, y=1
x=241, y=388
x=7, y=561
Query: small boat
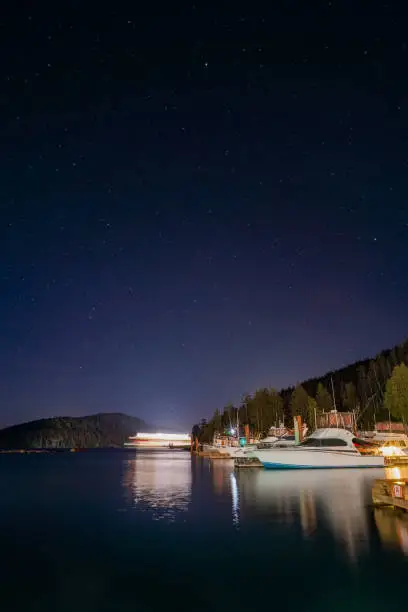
x=324, y=448
x=392, y=444
x=282, y=442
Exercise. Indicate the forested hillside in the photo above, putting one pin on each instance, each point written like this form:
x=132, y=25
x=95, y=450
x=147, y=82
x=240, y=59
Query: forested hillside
x=94, y=431
x=366, y=387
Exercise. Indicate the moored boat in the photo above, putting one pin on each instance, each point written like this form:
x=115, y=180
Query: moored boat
x=324, y=448
x=391, y=437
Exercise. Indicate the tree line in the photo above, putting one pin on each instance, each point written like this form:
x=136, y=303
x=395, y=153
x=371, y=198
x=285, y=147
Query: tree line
x=94, y=431
x=374, y=389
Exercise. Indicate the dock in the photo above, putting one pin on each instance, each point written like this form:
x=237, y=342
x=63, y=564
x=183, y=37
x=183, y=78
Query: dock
x=392, y=492
x=211, y=454
x=247, y=462
x=395, y=460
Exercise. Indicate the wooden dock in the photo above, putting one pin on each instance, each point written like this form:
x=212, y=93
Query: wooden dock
x=392, y=492
x=395, y=461
x=212, y=455
x=247, y=462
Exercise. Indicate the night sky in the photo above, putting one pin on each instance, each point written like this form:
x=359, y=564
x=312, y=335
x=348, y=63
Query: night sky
x=197, y=200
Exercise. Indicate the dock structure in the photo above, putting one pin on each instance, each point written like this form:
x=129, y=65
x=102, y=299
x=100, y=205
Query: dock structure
x=395, y=460
x=211, y=454
x=247, y=462
x=391, y=492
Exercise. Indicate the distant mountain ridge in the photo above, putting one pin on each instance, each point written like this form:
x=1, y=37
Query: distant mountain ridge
x=103, y=430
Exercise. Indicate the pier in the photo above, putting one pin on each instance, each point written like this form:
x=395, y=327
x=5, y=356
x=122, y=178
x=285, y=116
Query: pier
x=247, y=462
x=391, y=492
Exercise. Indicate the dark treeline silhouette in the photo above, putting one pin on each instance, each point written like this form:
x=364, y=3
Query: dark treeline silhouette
x=94, y=431
x=361, y=387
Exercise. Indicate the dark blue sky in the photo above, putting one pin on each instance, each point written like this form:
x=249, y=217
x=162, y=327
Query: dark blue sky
x=197, y=202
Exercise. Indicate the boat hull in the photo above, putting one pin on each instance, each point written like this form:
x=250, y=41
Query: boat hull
x=294, y=459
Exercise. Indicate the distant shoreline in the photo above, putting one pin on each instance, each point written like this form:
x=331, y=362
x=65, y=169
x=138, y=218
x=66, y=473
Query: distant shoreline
x=44, y=451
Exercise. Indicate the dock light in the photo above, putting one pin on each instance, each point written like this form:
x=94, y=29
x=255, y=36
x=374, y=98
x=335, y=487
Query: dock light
x=390, y=451
x=232, y=432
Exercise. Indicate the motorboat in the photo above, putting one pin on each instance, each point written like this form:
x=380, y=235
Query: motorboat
x=270, y=442
x=324, y=448
x=282, y=442
x=392, y=444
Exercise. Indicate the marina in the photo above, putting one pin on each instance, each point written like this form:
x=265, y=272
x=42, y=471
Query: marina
x=156, y=505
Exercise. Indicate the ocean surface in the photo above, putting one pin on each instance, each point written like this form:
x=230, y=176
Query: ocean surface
x=112, y=531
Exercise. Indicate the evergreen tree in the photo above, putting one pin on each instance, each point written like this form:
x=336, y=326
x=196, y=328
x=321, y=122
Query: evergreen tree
x=396, y=394
x=299, y=403
x=312, y=413
x=350, y=397
x=217, y=421
x=323, y=399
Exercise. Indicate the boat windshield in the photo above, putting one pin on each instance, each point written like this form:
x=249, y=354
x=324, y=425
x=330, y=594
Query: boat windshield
x=265, y=445
x=323, y=442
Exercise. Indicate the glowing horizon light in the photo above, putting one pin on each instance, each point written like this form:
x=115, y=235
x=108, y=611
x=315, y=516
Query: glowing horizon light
x=161, y=436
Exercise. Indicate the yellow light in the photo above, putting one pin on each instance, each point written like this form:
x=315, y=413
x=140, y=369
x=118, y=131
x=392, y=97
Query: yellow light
x=395, y=473
x=390, y=451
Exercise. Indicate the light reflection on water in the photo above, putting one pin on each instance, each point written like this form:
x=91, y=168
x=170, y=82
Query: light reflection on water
x=158, y=481
x=336, y=501
x=307, y=538
x=392, y=524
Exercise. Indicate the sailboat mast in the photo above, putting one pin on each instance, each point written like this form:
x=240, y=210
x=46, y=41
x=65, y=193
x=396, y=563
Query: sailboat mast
x=334, y=401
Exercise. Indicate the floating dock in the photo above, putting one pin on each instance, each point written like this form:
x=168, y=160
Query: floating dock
x=211, y=455
x=247, y=462
x=391, y=493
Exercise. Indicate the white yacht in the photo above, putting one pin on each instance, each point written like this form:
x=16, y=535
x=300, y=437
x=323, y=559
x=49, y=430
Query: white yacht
x=324, y=448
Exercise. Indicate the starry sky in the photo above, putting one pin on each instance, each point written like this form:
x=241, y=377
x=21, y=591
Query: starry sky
x=197, y=199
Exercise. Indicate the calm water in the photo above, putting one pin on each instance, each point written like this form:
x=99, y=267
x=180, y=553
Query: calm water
x=112, y=531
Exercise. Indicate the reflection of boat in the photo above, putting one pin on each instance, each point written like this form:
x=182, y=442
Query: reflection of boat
x=324, y=448
x=310, y=498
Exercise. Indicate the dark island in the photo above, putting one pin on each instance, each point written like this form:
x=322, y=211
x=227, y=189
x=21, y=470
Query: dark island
x=104, y=430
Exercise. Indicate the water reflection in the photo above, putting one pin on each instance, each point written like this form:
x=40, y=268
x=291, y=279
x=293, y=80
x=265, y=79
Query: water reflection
x=159, y=482
x=339, y=500
x=392, y=524
x=235, y=500
x=398, y=471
